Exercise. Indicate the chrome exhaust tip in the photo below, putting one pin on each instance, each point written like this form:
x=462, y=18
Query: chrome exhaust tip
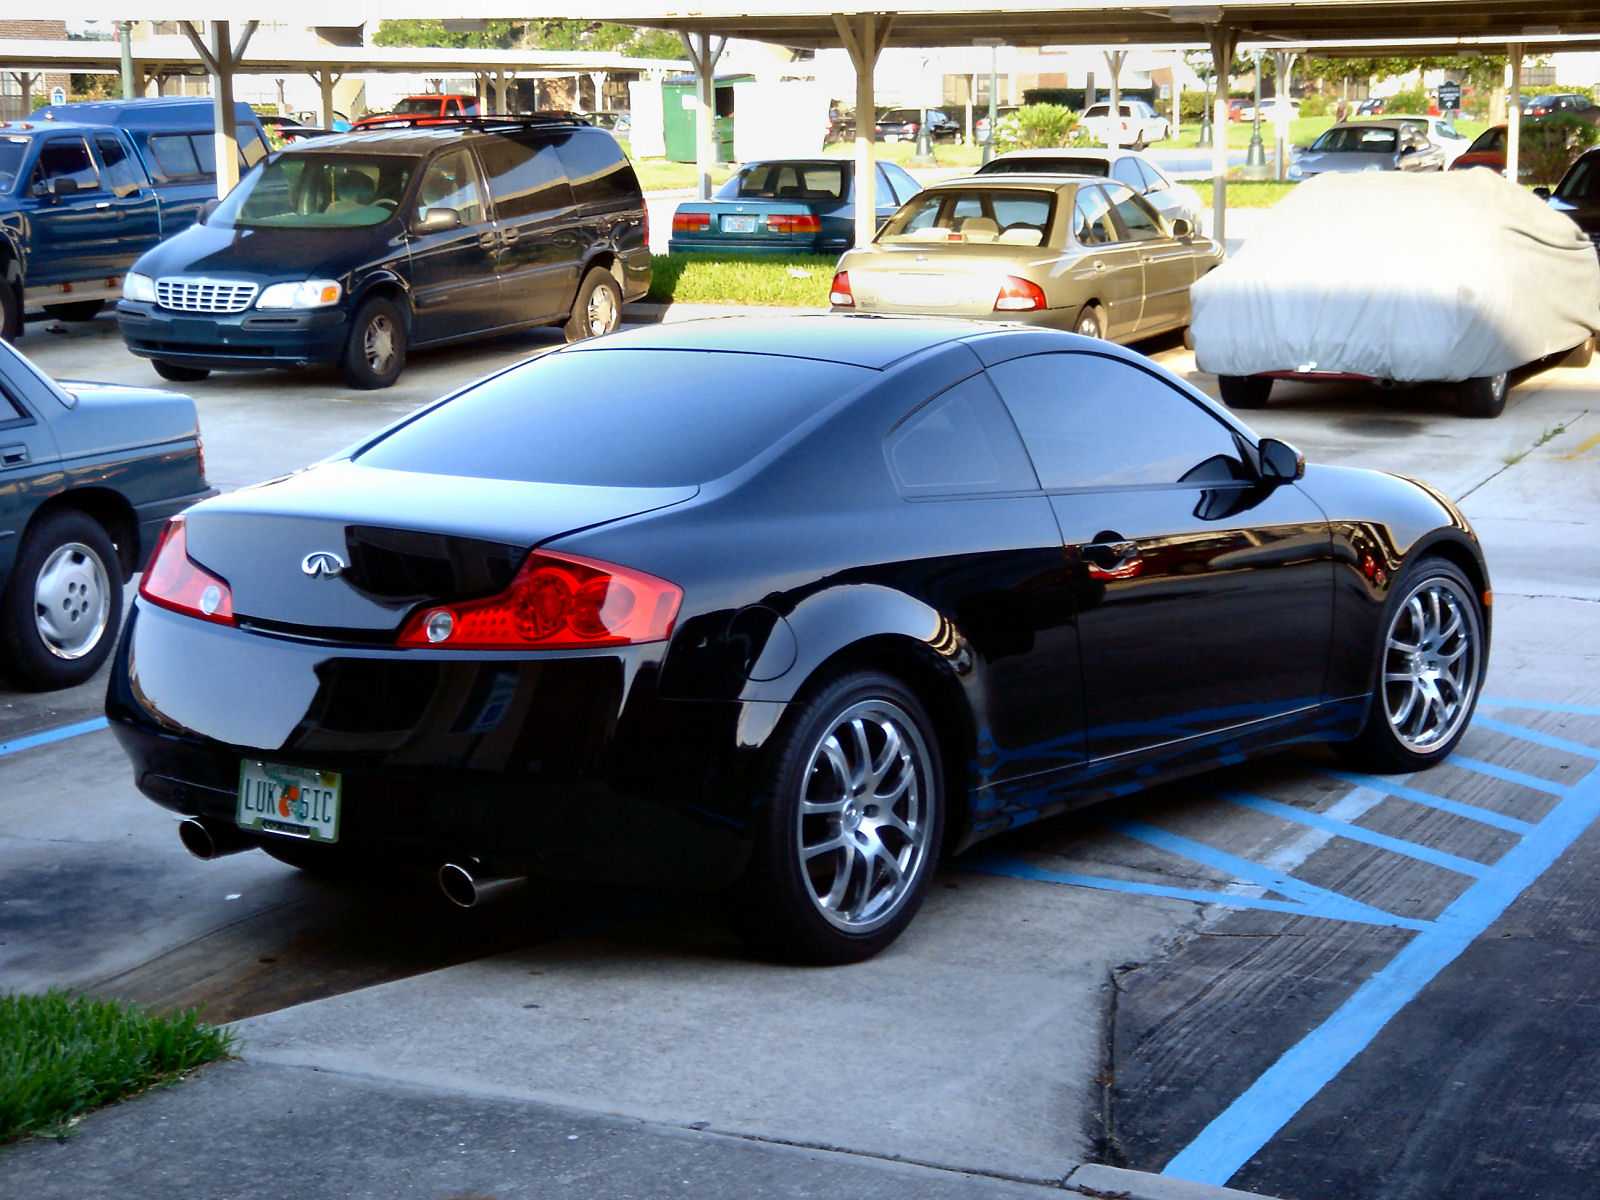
x=465, y=889
x=207, y=841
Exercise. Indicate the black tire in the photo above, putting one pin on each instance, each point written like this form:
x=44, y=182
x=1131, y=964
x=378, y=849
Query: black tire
x=10, y=309
x=1484, y=397
x=598, y=309
x=375, y=353
x=1432, y=648
x=1188, y=337
x=816, y=889
x=1245, y=391
x=62, y=605
x=75, y=310
x=1091, y=322
x=178, y=373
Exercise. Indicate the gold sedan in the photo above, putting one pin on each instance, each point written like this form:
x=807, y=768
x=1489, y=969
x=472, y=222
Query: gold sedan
x=1084, y=254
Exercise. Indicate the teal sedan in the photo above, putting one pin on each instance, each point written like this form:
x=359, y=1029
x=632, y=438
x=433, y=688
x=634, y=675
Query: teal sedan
x=786, y=206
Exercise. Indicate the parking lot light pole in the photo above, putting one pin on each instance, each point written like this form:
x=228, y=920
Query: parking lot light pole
x=1255, y=159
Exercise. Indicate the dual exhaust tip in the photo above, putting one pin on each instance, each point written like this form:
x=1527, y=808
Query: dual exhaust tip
x=465, y=886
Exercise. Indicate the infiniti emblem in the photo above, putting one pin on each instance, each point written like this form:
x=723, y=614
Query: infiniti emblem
x=322, y=564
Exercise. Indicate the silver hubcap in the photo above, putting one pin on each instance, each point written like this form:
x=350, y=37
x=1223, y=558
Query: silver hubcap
x=71, y=601
x=379, y=343
x=601, y=311
x=1088, y=326
x=864, y=820
x=1431, y=667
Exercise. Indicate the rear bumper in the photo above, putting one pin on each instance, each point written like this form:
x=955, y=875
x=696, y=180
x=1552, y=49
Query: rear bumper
x=560, y=766
x=771, y=244
x=247, y=339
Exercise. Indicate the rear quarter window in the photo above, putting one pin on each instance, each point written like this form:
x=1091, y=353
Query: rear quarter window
x=599, y=172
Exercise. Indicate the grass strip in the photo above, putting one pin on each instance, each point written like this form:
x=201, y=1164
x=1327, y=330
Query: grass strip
x=1246, y=193
x=62, y=1055
x=794, y=281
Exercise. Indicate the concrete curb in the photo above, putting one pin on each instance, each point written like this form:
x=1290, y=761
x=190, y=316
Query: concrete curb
x=1116, y=1183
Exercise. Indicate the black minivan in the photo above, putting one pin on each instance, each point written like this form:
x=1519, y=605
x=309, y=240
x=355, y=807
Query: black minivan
x=350, y=249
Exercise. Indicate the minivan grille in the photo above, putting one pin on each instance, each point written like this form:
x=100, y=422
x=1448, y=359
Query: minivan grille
x=204, y=295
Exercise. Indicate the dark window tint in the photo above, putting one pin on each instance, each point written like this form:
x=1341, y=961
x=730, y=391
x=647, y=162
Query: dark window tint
x=121, y=174
x=67, y=158
x=451, y=181
x=1582, y=182
x=1045, y=164
x=960, y=442
x=1090, y=421
x=1141, y=222
x=524, y=179
x=618, y=418
x=598, y=170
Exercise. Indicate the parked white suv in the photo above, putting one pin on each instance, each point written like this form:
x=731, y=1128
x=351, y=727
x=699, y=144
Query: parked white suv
x=1138, y=125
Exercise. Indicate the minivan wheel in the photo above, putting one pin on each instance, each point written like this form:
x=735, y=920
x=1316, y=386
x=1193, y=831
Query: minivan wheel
x=598, y=308
x=849, y=827
x=178, y=373
x=376, y=352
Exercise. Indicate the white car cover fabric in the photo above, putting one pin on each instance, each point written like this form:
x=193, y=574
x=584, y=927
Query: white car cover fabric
x=1412, y=277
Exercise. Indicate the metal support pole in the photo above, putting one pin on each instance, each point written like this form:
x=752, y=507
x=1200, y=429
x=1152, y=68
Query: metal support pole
x=1205, y=114
x=1255, y=158
x=125, y=40
x=1223, y=39
x=1513, y=110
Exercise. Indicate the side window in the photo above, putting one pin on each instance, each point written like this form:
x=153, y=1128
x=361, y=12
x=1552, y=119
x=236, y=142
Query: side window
x=66, y=158
x=1153, y=178
x=1091, y=421
x=598, y=170
x=11, y=413
x=1134, y=213
x=523, y=180
x=1091, y=218
x=451, y=181
x=959, y=443
x=173, y=156
x=121, y=175
x=1127, y=171
x=904, y=186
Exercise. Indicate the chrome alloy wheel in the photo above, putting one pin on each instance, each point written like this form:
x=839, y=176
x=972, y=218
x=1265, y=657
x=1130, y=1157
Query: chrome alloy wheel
x=379, y=343
x=1432, y=663
x=601, y=311
x=71, y=601
x=865, y=822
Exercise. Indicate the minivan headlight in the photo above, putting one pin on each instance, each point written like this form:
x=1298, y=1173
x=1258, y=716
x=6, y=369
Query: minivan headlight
x=138, y=287
x=309, y=293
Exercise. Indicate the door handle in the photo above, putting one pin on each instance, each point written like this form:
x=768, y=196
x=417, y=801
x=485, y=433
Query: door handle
x=508, y=237
x=13, y=456
x=1111, y=557
x=1098, y=265
x=103, y=204
x=488, y=240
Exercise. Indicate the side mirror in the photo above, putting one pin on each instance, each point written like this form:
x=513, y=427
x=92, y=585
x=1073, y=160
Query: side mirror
x=57, y=187
x=1542, y=192
x=1181, y=227
x=1280, y=462
x=437, y=220
x=209, y=207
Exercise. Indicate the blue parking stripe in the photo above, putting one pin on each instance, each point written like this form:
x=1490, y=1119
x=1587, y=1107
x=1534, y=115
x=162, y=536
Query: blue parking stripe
x=51, y=735
x=1256, y=1117
x=1357, y=833
x=1008, y=867
x=1577, y=710
x=1533, y=735
x=1316, y=899
x=1521, y=778
x=1455, y=807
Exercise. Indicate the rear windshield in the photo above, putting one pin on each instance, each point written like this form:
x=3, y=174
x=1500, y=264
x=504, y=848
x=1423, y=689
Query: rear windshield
x=973, y=215
x=324, y=191
x=786, y=181
x=618, y=418
x=1047, y=165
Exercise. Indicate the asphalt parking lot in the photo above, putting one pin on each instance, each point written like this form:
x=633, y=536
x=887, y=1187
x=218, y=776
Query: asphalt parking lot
x=1284, y=978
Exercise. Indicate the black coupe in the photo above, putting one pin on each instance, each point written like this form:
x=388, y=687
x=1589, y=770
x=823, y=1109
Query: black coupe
x=785, y=606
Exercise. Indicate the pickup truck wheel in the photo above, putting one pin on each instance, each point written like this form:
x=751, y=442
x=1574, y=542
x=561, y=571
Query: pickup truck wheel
x=1245, y=391
x=598, y=308
x=177, y=373
x=376, y=352
x=10, y=311
x=62, y=605
x=76, y=310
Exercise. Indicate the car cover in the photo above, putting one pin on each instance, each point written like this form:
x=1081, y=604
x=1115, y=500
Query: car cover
x=1413, y=277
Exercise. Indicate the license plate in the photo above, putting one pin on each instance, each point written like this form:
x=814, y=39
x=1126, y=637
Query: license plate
x=921, y=291
x=738, y=224
x=293, y=801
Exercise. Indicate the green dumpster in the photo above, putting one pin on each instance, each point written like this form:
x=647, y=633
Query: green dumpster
x=678, y=115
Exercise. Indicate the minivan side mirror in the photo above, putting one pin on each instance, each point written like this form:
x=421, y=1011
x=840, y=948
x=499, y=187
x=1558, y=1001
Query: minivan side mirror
x=1280, y=462
x=436, y=220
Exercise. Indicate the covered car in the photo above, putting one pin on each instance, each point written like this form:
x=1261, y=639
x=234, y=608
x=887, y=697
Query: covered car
x=1459, y=277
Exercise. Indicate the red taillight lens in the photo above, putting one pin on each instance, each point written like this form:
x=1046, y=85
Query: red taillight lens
x=1018, y=295
x=644, y=211
x=556, y=602
x=794, y=223
x=840, y=295
x=691, y=222
x=174, y=580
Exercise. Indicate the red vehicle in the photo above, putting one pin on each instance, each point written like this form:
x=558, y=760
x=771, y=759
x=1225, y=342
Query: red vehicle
x=1488, y=149
x=434, y=104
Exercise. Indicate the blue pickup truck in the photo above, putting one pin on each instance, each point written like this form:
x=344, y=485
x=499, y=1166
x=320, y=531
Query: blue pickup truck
x=85, y=189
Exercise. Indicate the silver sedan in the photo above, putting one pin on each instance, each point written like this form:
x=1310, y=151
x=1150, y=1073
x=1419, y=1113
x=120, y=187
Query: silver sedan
x=1391, y=145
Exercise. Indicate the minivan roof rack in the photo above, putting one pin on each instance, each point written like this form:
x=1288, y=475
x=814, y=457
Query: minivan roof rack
x=520, y=120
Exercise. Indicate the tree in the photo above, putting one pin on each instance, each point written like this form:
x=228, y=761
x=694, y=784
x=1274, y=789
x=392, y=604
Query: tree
x=556, y=34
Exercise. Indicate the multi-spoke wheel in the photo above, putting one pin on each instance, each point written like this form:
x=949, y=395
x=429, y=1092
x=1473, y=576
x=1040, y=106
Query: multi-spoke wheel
x=1430, y=667
x=61, y=606
x=375, y=353
x=598, y=308
x=852, y=825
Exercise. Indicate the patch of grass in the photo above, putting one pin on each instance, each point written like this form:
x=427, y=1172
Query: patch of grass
x=945, y=154
x=799, y=281
x=1246, y=193
x=62, y=1055
x=659, y=175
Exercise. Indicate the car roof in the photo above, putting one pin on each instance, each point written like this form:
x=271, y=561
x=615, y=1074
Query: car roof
x=1029, y=182
x=422, y=139
x=1069, y=152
